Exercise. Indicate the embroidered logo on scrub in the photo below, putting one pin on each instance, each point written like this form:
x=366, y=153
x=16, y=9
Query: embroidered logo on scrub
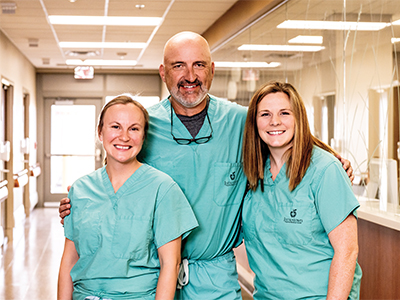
x=293, y=219
x=232, y=180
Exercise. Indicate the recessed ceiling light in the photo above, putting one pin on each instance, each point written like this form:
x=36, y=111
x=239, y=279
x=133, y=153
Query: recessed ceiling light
x=104, y=20
x=306, y=39
x=332, y=25
x=299, y=48
x=245, y=64
x=140, y=6
x=122, y=45
x=100, y=62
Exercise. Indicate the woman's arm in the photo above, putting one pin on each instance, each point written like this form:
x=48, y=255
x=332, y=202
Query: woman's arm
x=68, y=260
x=170, y=258
x=344, y=242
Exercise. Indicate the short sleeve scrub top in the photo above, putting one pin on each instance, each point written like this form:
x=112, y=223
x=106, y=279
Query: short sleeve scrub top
x=117, y=234
x=286, y=233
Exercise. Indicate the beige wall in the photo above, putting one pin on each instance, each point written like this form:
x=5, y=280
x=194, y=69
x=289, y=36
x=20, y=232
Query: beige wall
x=16, y=69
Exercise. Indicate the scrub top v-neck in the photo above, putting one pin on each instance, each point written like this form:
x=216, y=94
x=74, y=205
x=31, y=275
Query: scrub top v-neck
x=117, y=234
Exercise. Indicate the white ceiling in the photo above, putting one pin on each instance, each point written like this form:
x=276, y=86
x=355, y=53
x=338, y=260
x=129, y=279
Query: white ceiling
x=30, y=21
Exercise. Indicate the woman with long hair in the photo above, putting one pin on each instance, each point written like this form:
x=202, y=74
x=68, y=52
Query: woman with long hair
x=299, y=216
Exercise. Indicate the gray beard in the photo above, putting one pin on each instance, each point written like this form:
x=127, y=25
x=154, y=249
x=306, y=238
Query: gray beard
x=182, y=101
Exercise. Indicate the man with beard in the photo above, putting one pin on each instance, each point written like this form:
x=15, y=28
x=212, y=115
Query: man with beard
x=196, y=138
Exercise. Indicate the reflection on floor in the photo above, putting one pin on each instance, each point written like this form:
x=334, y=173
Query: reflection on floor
x=29, y=265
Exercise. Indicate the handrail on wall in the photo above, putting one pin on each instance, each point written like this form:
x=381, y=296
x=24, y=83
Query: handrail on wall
x=3, y=183
x=21, y=178
x=3, y=190
x=35, y=170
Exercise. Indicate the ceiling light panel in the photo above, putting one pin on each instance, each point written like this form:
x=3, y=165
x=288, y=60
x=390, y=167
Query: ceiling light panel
x=332, y=25
x=299, y=48
x=93, y=45
x=307, y=39
x=100, y=62
x=104, y=20
x=245, y=64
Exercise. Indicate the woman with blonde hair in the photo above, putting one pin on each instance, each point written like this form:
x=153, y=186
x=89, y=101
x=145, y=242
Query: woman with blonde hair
x=123, y=236
x=299, y=217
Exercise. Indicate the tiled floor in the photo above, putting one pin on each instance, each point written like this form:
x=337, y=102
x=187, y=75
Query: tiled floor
x=29, y=265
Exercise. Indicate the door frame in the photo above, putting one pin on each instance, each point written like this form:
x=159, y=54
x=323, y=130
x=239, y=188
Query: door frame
x=48, y=102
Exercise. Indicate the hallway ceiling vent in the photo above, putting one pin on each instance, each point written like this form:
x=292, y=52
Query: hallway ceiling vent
x=8, y=8
x=82, y=53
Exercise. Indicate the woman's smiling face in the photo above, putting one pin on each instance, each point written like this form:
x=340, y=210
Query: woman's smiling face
x=275, y=121
x=122, y=133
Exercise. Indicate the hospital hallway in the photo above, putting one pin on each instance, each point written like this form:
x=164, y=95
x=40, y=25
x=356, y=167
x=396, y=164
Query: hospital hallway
x=29, y=264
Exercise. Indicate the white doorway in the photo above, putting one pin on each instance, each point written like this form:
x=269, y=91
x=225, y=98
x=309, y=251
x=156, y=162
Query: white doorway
x=71, y=146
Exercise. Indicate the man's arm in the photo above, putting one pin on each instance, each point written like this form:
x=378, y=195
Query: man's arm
x=64, y=208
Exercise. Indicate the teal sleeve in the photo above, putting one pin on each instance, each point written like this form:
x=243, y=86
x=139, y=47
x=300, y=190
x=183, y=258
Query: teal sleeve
x=173, y=216
x=335, y=199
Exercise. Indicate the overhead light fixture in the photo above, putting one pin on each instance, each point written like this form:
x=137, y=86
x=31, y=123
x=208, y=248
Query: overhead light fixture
x=100, y=62
x=245, y=64
x=104, y=20
x=307, y=39
x=286, y=48
x=395, y=40
x=333, y=25
x=397, y=22
x=8, y=8
x=105, y=45
x=140, y=6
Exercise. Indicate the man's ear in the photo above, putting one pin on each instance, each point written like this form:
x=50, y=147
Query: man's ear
x=161, y=71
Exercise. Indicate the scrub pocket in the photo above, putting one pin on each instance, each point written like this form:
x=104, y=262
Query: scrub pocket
x=227, y=180
x=131, y=238
x=87, y=226
x=293, y=223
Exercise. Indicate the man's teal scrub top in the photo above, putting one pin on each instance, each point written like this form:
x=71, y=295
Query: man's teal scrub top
x=117, y=234
x=286, y=233
x=211, y=177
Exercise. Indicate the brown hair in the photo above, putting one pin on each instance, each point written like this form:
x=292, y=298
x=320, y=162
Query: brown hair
x=123, y=99
x=256, y=152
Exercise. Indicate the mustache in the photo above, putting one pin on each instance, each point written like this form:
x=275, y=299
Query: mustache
x=185, y=82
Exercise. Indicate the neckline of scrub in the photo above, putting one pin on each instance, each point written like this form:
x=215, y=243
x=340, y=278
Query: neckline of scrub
x=127, y=184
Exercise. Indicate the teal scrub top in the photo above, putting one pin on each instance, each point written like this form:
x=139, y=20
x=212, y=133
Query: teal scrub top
x=286, y=233
x=117, y=234
x=211, y=177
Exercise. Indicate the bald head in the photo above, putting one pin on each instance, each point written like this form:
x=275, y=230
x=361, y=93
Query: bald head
x=186, y=38
x=188, y=71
